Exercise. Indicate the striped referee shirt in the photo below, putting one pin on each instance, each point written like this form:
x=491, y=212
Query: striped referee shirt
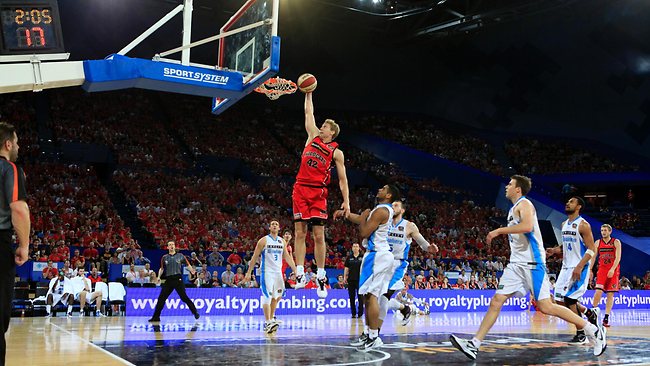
x=173, y=264
x=13, y=186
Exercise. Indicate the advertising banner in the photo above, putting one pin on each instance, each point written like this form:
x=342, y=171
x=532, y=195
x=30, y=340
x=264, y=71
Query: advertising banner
x=235, y=301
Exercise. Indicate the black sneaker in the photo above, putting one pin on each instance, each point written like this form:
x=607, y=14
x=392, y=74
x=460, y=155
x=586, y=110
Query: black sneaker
x=579, y=339
x=593, y=319
x=196, y=316
x=407, y=315
x=362, y=339
x=465, y=346
x=154, y=320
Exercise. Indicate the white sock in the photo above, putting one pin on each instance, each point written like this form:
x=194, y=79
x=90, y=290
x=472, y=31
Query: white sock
x=320, y=274
x=300, y=270
x=374, y=333
x=393, y=304
x=48, y=308
x=590, y=329
x=69, y=308
x=476, y=342
x=366, y=330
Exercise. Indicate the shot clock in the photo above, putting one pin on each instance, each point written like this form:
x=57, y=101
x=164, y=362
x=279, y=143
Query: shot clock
x=30, y=26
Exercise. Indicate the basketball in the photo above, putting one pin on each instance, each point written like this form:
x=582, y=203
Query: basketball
x=307, y=83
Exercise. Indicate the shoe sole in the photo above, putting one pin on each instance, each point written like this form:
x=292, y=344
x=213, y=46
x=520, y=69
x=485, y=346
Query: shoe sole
x=458, y=347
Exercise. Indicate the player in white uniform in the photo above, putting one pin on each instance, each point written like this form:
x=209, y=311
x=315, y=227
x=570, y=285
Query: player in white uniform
x=83, y=293
x=526, y=272
x=272, y=249
x=400, y=237
x=377, y=261
x=577, y=249
x=59, y=291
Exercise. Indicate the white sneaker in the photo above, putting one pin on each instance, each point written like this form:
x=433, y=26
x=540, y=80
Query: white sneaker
x=599, y=338
x=360, y=341
x=465, y=346
x=278, y=321
x=271, y=327
x=370, y=344
x=321, y=291
x=69, y=315
x=301, y=282
x=49, y=315
x=99, y=314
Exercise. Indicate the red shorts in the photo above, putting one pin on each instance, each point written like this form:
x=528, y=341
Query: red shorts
x=309, y=202
x=607, y=284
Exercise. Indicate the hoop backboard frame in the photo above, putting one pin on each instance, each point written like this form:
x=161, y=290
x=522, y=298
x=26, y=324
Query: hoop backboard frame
x=264, y=61
x=224, y=84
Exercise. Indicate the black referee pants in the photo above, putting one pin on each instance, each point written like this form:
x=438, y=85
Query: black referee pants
x=7, y=275
x=172, y=283
x=353, y=292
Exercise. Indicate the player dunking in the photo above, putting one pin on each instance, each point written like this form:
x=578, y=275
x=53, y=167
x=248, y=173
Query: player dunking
x=577, y=250
x=609, y=257
x=526, y=272
x=310, y=191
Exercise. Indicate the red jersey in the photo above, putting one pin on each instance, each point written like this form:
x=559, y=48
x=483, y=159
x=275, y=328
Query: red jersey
x=606, y=253
x=316, y=163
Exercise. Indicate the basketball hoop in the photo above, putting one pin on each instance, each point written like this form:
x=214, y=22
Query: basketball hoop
x=274, y=88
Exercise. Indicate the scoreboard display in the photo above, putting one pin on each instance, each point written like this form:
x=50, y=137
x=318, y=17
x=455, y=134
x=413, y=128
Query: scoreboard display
x=30, y=26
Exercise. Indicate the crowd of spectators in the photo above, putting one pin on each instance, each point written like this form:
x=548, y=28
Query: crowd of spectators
x=199, y=211
x=533, y=156
x=127, y=123
x=17, y=108
x=240, y=134
x=69, y=207
x=212, y=214
x=427, y=136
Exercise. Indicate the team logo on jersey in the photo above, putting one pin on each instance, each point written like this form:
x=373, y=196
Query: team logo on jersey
x=280, y=291
x=400, y=228
x=509, y=218
x=574, y=226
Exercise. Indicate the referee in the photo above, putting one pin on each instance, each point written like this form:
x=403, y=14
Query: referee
x=172, y=264
x=351, y=277
x=14, y=215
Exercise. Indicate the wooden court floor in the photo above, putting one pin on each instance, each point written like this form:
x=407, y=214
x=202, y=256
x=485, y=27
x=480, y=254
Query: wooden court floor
x=517, y=338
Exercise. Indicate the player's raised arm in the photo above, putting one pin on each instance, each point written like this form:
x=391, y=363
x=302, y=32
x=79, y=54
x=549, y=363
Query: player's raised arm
x=414, y=232
x=310, y=120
